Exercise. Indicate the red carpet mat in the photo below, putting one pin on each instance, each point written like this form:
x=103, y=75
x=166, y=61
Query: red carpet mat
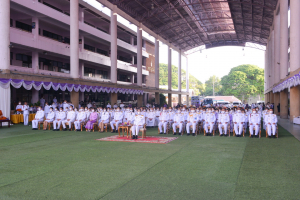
x=148, y=139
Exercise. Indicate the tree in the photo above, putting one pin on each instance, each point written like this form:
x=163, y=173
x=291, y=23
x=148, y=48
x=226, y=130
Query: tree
x=243, y=81
x=213, y=84
x=194, y=83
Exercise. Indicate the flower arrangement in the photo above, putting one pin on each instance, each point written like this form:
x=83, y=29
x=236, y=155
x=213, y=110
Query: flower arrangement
x=19, y=110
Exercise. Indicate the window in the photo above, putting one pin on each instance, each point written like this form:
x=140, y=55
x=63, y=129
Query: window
x=100, y=51
x=11, y=23
x=124, y=78
x=102, y=30
x=49, y=5
x=66, y=40
x=89, y=48
x=89, y=72
x=26, y=60
x=52, y=36
x=23, y=26
x=101, y=74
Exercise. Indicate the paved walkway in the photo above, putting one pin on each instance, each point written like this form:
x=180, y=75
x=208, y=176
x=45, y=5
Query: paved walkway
x=294, y=129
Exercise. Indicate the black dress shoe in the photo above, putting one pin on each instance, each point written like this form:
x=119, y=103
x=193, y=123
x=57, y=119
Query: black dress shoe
x=188, y=134
x=113, y=131
x=54, y=130
x=133, y=137
x=221, y=135
x=193, y=134
x=256, y=136
x=161, y=133
x=136, y=137
x=269, y=136
x=274, y=136
x=175, y=133
x=225, y=135
x=251, y=136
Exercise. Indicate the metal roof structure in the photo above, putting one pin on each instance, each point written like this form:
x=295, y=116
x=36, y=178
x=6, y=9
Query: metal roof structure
x=191, y=23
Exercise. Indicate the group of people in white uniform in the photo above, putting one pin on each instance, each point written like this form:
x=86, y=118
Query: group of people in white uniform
x=181, y=118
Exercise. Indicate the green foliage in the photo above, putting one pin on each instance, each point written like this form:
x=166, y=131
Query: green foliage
x=213, y=80
x=194, y=83
x=162, y=99
x=243, y=81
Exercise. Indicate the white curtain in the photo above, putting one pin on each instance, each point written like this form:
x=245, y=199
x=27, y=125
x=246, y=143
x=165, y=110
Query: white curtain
x=5, y=102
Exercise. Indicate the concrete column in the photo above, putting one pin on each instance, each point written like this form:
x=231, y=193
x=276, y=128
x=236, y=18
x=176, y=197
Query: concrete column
x=284, y=104
x=145, y=98
x=5, y=35
x=276, y=102
x=266, y=69
x=169, y=68
x=81, y=46
x=295, y=35
x=132, y=40
x=156, y=63
x=272, y=60
x=294, y=102
x=132, y=81
x=187, y=100
x=277, y=48
x=169, y=99
x=179, y=72
x=179, y=98
x=113, y=98
x=113, y=46
x=271, y=97
x=81, y=96
x=132, y=62
x=187, y=75
x=284, y=7
x=81, y=15
x=35, y=31
x=139, y=55
x=74, y=98
x=139, y=101
x=81, y=69
x=74, y=39
x=157, y=98
x=35, y=96
x=35, y=62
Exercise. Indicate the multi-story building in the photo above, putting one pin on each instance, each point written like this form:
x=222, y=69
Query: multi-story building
x=71, y=42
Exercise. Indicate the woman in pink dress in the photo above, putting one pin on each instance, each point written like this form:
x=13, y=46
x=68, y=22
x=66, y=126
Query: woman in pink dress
x=93, y=119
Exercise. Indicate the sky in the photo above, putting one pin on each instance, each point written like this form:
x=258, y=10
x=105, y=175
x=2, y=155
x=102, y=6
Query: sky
x=216, y=61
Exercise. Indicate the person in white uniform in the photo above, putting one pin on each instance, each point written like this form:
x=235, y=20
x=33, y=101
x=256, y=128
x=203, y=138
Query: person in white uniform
x=60, y=116
x=139, y=121
x=39, y=117
x=80, y=118
x=118, y=118
x=70, y=119
x=46, y=109
x=178, y=121
x=150, y=117
x=163, y=121
x=49, y=118
x=42, y=102
x=108, y=105
x=192, y=119
x=271, y=123
x=25, y=109
x=105, y=117
x=19, y=107
x=223, y=122
x=210, y=119
x=254, y=121
x=157, y=114
x=65, y=105
x=238, y=121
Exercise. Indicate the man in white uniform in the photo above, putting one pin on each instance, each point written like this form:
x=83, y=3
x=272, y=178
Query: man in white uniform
x=223, y=122
x=254, y=121
x=49, y=118
x=39, y=117
x=70, y=119
x=25, y=109
x=150, y=118
x=163, y=121
x=192, y=119
x=157, y=114
x=178, y=121
x=118, y=118
x=104, y=119
x=19, y=106
x=81, y=117
x=60, y=116
x=42, y=102
x=210, y=119
x=238, y=121
x=108, y=105
x=139, y=121
x=46, y=109
x=271, y=123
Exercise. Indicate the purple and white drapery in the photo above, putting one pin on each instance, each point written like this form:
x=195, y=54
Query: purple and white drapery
x=28, y=85
x=290, y=82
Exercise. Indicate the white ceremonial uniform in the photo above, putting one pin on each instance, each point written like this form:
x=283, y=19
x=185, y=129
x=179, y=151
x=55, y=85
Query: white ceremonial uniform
x=272, y=119
x=39, y=117
x=210, y=119
x=126, y=116
x=19, y=107
x=163, y=121
x=139, y=121
x=87, y=113
x=238, y=121
x=108, y=106
x=118, y=118
x=254, y=119
x=105, y=117
x=121, y=105
x=65, y=106
x=25, y=109
x=55, y=100
x=89, y=105
x=60, y=116
x=150, y=118
x=157, y=114
x=50, y=117
x=131, y=118
x=224, y=120
x=192, y=119
x=80, y=118
x=70, y=118
x=178, y=121
x=46, y=110
x=42, y=102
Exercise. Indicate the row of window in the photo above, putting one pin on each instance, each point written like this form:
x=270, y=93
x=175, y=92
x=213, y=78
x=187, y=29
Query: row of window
x=90, y=72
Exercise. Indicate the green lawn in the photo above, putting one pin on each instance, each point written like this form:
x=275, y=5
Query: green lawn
x=73, y=165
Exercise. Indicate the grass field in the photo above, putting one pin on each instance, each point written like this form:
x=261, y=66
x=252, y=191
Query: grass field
x=73, y=165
